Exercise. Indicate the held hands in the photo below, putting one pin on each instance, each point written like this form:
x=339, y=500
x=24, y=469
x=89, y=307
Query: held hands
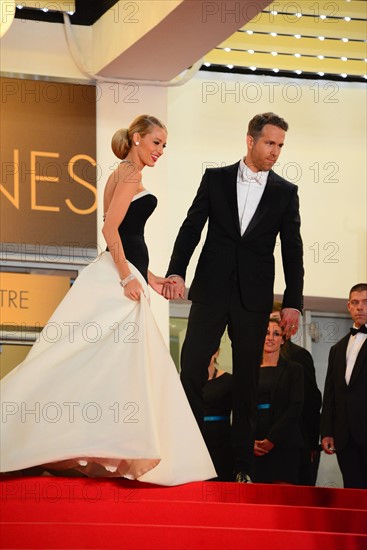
x=169, y=287
x=159, y=283
x=328, y=446
x=262, y=447
x=289, y=321
x=175, y=288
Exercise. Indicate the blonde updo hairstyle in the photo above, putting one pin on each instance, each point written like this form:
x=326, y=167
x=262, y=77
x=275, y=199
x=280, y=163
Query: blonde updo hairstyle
x=122, y=140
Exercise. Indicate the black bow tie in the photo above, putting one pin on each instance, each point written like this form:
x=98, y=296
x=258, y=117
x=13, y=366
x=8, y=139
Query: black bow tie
x=362, y=329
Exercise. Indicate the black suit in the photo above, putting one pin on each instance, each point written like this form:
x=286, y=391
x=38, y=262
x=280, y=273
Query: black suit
x=310, y=418
x=233, y=285
x=344, y=413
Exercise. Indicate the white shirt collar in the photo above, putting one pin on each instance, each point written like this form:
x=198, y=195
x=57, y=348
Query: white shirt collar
x=359, y=333
x=247, y=175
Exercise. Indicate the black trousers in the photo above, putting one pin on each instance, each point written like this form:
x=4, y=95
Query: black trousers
x=247, y=331
x=353, y=465
x=308, y=470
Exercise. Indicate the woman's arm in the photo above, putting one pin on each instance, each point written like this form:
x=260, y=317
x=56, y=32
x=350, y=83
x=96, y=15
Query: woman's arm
x=123, y=194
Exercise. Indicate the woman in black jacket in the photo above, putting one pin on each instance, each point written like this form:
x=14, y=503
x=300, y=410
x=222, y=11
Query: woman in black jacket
x=278, y=439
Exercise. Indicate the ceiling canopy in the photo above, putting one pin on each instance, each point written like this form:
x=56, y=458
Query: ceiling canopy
x=305, y=39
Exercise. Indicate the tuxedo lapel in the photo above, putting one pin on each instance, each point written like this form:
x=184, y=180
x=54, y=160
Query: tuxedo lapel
x=361, y=362
x=230, y=190
x=341, y=361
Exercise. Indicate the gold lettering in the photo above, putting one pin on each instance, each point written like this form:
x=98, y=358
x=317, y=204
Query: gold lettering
x=35, y=177
x=23, y=298
x=14, y=199
x=82, y=182
x=14, y=298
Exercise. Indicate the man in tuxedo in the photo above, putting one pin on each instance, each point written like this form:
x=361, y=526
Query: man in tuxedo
x=247, y=206
x=310, y=418
x=344, y=411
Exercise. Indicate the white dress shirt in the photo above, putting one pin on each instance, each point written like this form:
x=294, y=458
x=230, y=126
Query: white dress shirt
x=250, y=188
x=354, y=346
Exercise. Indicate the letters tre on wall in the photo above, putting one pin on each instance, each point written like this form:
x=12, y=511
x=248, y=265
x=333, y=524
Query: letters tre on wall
x=48, y=169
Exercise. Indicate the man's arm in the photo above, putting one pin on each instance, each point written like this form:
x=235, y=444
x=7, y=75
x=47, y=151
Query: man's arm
x=328, y=408
x=292, y=257
x=187, y=239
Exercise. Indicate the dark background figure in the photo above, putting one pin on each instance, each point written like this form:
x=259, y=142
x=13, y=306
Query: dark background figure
x=310, y=417
x=278, y=438
x=344, y=411
x=217, y=419
x=247, y=206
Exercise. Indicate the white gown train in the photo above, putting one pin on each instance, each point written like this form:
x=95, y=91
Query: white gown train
x=99, y=392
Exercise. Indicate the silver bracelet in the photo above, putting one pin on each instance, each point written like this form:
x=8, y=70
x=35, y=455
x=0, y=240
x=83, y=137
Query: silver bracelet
x=131, y=277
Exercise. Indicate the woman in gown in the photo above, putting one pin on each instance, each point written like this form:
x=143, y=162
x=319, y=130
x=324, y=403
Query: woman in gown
x=99, y=392
x=278, y=439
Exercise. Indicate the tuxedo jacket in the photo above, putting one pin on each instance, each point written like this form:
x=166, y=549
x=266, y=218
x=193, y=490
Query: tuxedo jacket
x=286, y=402
x=248, y=258
x=310, y=418
x=344, y=411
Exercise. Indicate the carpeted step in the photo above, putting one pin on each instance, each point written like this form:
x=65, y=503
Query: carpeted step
x=78, y=513
x=195, y=514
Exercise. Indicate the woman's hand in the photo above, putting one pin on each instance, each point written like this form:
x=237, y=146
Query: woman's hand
x=157, y=283
x=262, y=447
x=258, y=450
x=133, y=289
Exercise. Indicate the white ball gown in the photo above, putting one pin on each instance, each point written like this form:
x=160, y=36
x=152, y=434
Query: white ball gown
x=99, y=392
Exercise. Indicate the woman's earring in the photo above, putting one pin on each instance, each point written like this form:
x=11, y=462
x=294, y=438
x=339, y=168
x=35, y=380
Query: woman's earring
x=137, y=142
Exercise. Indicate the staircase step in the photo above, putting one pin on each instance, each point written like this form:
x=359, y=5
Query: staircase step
x=195, y=514
x=77, y=513
x=109, y=536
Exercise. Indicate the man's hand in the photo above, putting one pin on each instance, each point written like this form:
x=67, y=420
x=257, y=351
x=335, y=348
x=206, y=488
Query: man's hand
x=175, y=288
x=328, y=446
x=289, y=321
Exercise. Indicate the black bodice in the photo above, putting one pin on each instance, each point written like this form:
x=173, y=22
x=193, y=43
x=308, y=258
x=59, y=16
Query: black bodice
x=131, y=231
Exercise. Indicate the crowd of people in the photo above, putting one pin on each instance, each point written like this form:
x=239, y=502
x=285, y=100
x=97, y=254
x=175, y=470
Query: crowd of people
x=290, y=414
x=261, y=423
x=287, y=426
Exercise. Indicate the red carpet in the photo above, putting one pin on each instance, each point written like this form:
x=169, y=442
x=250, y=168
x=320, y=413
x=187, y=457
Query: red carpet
x=80, y=513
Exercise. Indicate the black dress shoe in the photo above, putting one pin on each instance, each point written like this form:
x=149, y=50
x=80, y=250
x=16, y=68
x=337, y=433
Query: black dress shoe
x=242, y=478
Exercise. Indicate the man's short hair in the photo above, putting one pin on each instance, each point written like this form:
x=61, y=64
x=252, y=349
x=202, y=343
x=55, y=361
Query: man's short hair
x=256, y=124
x=360, y=287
